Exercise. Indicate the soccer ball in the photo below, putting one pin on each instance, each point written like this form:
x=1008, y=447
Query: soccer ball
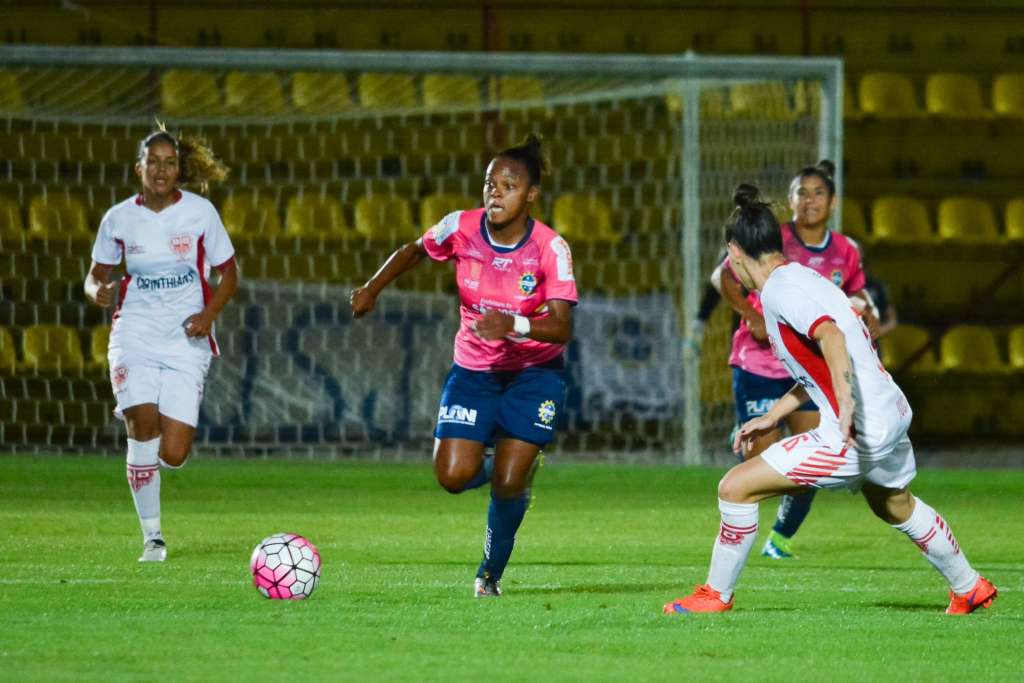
x=285, y=567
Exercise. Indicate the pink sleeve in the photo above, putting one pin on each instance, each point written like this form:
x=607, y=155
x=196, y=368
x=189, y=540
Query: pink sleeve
x=559, y=281
x=856, y=280
x=727, y=268
x=439, y=241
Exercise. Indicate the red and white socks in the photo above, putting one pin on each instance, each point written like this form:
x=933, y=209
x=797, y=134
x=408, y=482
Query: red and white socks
x=732, y=547
x=930, y=532
x=144, y=480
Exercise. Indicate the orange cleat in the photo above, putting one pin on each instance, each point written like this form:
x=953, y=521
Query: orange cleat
x=981, y=595
x=703, y=599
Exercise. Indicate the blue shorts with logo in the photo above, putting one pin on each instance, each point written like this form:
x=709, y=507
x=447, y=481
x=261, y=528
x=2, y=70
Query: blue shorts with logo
x=484, y=406
x=755, y=395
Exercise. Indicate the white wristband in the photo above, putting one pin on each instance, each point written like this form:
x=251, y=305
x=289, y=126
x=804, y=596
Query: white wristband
x=521, y=325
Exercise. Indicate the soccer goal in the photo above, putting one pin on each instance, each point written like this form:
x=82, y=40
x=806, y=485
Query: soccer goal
x=338, y=157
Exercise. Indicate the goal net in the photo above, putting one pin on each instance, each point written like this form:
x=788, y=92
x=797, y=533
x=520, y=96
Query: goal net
x=339, y=157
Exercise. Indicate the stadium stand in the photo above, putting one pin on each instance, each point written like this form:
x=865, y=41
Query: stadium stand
x=53, y=215
x=967, y=219
x=310, y=215
x=254, y=94
x=321, y=93
x=51, y=349
x=1008, y=95
x=384, y=219
x=189, y=93
x=387, y=91
x=250, y=214
x=585, y=218
x=8, y=357
x=853, y=222
x=900, y=219
x=970, y=349
x=1015, y=219
x=888, y=95
x=437, y=206
x=907, y=342
x=954, y=96
x=99, y=338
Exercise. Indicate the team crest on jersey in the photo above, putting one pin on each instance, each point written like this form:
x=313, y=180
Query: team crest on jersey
x=546, y=412
x=119, y=377
x=527, y=283
x=181, y=245
x=837, y=278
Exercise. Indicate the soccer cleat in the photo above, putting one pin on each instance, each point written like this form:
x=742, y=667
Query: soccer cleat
x=778, y=547
x=155, y=550
x=703, y=599
x=486, y=587
x=981, y=595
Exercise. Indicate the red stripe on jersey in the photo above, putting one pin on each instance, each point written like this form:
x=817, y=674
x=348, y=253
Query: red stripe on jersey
x=819, y=321
x=207, y=294
x=123, y=291
x=806, y=352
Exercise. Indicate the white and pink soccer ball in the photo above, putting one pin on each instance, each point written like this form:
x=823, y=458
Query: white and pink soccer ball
x=285, y=567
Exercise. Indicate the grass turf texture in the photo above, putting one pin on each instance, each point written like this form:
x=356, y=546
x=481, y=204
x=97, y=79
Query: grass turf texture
x=600, y=552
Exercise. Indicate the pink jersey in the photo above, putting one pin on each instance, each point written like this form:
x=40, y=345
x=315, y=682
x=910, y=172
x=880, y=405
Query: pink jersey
x=838, y=259
x=517, y=280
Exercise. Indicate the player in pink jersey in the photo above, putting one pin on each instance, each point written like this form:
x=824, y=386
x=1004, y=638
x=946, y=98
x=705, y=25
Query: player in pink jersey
x=162, y=338
x=759, y=380
x=861, y=441
x=507, y=385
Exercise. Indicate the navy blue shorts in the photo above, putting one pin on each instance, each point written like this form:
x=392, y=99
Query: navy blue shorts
x=755, y=395
x=484, y=406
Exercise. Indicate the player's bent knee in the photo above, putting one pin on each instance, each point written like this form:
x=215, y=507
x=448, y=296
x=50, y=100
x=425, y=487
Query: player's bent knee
x=730, y=489
x=173, y=458
x=454, y=480
x=508, y=488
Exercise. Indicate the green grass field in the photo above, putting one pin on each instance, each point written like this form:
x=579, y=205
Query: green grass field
x=600, y=552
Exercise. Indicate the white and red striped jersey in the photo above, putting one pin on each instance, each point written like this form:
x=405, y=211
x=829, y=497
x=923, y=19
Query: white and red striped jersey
x=167, y=257
x=796, y=301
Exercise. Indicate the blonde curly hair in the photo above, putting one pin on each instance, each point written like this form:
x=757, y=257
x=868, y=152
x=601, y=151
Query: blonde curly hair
x=198, y=167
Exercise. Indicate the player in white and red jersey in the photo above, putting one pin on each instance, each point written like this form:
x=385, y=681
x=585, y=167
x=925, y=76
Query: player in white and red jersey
x=861, y=441
x=161, y=340
x=507, y=385
x=759, y=380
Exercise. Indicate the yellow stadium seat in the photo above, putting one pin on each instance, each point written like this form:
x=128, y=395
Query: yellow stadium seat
x=1008, y=95
x=954, y=96
x=584, y=218
x=712, y=103
x=253, y=93
x=520, y=88
x=250, y=215
x=189, y=93
x=888, y=95
x=970, y=348
x=900, y=219
x=385, y=218
x=387, y=91
x=51, y=348
x=10, y=219
x=99, y=340
x=11, y=100
x=966, y=219
x=1016, y=347
x=321, y=92
x=8, y=358
x=315, y=215
x=443, y=91
x=853, y=223
x=1015, y=219
x=763, y=100
x=57, y=216
x=903, y=343
x=437, y=206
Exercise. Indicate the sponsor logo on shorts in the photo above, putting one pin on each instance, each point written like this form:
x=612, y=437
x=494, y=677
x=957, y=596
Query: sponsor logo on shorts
x=119, y=377
x=527, y=283
x=181, y=245
x=760, y=407
x=456, y=414
x=546, y=415
x=169, y=282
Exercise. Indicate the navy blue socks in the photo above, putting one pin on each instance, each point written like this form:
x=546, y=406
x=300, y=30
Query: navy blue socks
x=793, y=511
x=503, y=519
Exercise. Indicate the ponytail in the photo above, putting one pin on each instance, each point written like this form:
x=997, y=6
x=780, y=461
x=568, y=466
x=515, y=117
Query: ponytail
x=752, y=224
x=530, y=154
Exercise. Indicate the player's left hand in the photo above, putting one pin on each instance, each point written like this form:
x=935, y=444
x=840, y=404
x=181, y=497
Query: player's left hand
x=750, y=430
x=846, y=425
x=494, y=325
x=198, y=325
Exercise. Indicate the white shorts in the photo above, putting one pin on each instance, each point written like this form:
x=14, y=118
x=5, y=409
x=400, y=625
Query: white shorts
x=810, y=459
x=176, y=389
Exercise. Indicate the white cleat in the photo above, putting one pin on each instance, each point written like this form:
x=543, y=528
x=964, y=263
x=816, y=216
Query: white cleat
x=486, y=588
x=155, y=550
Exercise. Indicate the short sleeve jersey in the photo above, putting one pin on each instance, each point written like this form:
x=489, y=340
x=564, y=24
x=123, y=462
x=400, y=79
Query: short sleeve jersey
x=517, y=280
x=167, y=255
x=796, y=300
x=838, y=259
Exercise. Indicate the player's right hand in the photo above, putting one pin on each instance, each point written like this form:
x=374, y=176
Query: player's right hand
x=755, y=321
x=107, y=294
x=362, y=301
x=750, y=430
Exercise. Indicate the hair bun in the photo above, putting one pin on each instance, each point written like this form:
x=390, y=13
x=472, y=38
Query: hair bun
x=746, y=195
x=827, y=167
